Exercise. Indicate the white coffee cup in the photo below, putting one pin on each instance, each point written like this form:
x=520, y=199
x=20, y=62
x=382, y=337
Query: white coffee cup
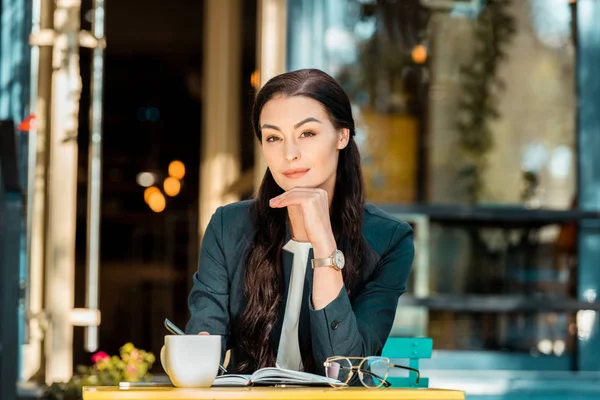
x=191, y=360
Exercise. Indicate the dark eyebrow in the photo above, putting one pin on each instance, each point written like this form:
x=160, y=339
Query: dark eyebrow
x=296, y=126
x=304, y=121
x=268, y=126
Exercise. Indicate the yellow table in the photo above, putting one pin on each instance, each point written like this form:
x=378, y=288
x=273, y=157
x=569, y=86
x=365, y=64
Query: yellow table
x=231, y=393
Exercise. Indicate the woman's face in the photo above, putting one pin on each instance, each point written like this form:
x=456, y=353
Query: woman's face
x=299, y=143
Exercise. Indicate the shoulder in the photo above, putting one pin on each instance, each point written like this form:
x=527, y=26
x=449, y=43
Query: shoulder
x=230, y=230
x=234, y=220
x=375, y=219
x=382, y=230
x=239, y=211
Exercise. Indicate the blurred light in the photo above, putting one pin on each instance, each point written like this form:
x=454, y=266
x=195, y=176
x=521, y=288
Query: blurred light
x=560, y=162
x=149, y=191
x=585, y=323
x=255, y=79
x=340, y=44
x=559, y=347
x=590, y=295
x=552, y=22
x=157, y=202
x=419, y=54
x=171, y=186
x=177, y=169
x=151, y=114
x=365, y=28
x=145, y=179
x=469, y=9
x=535, y=157
x=545, y=346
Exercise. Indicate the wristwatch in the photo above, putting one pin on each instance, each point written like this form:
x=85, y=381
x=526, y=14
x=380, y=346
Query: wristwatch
x=335, y=261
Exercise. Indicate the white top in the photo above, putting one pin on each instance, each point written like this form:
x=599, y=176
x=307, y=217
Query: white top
x=288, y=355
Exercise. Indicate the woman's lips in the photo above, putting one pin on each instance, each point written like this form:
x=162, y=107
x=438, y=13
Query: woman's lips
x=296, y=173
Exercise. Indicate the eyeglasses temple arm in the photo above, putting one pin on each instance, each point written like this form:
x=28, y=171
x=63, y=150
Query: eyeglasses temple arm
x=410, y=369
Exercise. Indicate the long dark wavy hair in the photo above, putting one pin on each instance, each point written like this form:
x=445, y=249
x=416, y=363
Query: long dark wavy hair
x=264, y=274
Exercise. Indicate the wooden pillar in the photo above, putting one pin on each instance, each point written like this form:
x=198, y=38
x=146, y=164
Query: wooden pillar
x=220, y=157
x=271, y=57
x=37, y=190
x=62, y=191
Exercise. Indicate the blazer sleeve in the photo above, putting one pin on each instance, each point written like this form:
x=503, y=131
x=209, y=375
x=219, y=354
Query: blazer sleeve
x=208, y=301
x=360, y=328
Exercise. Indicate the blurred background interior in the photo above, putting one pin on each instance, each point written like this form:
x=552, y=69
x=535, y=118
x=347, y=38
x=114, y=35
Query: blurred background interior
x=126, y=123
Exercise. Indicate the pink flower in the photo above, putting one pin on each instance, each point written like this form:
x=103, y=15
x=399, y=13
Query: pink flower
x=99, y=356
x=132, y=369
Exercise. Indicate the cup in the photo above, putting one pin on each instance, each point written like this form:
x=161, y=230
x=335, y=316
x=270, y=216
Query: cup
x=191, y=360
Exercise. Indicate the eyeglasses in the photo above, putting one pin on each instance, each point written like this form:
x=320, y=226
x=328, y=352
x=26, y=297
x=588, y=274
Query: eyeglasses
x=372, y=371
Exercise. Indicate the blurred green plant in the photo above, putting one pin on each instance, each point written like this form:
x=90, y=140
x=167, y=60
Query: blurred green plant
x=385, y=78
x=494, y=29
x=131, y=365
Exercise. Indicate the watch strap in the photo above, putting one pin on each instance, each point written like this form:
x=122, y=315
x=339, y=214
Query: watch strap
x=322, y=262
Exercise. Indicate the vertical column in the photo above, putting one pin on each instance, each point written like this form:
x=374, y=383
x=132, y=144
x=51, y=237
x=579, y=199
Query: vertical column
x=219, y=167
x=95, y=176
x=41, y=83
x=588, y=136
x=271, y=57
x=9, y=296
x=62, y=190
x=10, y=245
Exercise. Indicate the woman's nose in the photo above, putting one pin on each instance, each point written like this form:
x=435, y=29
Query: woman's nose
x=291, y=151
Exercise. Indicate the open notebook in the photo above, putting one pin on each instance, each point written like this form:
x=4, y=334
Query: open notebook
x=275, y=376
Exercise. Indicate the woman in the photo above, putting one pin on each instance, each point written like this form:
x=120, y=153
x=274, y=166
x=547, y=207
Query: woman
x=307, y=270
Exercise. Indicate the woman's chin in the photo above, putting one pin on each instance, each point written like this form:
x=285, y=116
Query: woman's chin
x=286, y=185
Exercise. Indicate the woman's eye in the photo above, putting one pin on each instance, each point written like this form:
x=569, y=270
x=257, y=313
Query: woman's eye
x=307, y=134
x=272, y=139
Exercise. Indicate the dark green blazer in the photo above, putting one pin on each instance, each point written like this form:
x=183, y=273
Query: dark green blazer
x=356, y=326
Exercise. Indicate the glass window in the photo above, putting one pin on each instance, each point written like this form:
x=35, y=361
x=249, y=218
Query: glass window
x=474, y=104
x=465, y=114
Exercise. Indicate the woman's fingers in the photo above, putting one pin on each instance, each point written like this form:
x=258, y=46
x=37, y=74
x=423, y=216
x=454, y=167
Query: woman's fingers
x=314, y=206
x=295, y=198
x=298, y=196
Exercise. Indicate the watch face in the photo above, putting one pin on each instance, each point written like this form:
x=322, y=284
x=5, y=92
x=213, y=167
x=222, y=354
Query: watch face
x=338, y=256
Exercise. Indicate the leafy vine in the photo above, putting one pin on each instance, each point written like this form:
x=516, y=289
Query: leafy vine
x=494, y=29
